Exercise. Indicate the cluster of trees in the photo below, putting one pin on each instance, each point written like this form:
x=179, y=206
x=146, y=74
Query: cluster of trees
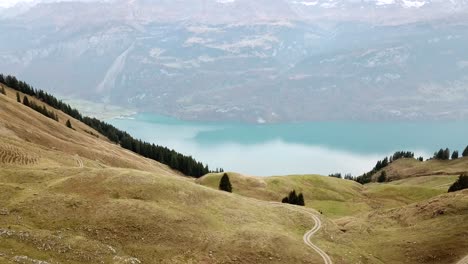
x=293, y=198
x=177, y=161
x=442, y=154
x=225, y=183
x=41, y=109
x=338, y=175
x=460, y=184
x=402, y=154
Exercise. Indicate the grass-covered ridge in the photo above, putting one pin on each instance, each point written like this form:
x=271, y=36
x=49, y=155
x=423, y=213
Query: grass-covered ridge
x=185, y=164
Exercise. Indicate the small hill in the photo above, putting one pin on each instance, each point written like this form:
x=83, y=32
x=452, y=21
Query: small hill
x=406, y=168
x=334, y=197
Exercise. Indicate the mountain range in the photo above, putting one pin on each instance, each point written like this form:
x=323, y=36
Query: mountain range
x=255, y=61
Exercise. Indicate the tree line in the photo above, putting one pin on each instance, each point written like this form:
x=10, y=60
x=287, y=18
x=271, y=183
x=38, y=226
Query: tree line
x=338, y=175
x=177, y=161
x=41, y=109
x=444, y=154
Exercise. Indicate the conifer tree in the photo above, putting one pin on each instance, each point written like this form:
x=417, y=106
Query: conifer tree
x=460, y=184
x=26, y=101
x=18, y=98
x=300, y=200
x=455, y=155
x=382, y=177
x=225, y=183
x=446, y=155
x=465, y=152
x=292, y=197
x=68, y=124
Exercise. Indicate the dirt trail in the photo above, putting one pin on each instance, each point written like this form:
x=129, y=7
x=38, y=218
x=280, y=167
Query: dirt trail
x=79, y=161
x=463, y=260
x=309, y=234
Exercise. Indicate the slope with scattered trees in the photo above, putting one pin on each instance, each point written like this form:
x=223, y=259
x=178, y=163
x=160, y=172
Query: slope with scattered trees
x=367, y=177
x=185, y=164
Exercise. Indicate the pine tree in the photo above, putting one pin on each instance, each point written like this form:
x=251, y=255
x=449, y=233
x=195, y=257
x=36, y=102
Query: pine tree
x=3, y=90
x=455, y=155
x=18, y=98
x=382, y=177
x=26, y=101
x=446, y=155
x=225, y=184
x=292, y=197
x=460, y=184
x=285, y=200
x=465, y=152
x=300, y=200
x=68, y=124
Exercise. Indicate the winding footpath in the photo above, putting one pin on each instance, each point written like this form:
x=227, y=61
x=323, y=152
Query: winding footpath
x=463, y=260
x=79, y=161
x=308, y=235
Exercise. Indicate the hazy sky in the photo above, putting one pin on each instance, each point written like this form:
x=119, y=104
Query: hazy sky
x=8, y=3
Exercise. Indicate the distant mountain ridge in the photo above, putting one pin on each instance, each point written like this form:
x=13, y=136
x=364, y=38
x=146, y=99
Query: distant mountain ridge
x=254, y=61
x=244, y=11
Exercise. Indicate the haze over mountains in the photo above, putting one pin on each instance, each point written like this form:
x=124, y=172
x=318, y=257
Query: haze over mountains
x=256, y=61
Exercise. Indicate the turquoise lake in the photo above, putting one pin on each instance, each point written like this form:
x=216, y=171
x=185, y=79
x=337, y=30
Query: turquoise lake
x=295, y=148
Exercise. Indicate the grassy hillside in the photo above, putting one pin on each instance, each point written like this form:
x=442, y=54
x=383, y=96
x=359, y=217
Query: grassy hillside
x=412, y=220
x=92, y=215
x=406, y=168
x=71, y=196
x=334, y=197
x=431, y=231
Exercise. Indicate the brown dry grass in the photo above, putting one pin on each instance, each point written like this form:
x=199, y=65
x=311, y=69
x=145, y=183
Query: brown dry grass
x=123, y=208
x=406, y=168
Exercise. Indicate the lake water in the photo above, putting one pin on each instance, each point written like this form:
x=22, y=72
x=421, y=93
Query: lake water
x=297, y=148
